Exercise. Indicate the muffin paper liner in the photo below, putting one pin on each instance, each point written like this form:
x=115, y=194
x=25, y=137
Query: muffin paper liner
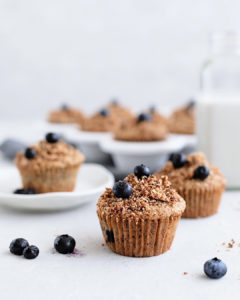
x=201, y=202
x=59, y=180
x=138, y=238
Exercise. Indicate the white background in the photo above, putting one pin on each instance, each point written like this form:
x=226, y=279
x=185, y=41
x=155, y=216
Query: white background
x=86, y=51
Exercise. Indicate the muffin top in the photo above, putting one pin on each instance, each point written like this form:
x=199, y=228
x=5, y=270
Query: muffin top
x=182, y=120
x=146, y=198
x=191, y=171
x=102, y=121
x=143, y=129
x=48, y=155
x=123, y=114
x=66, y=114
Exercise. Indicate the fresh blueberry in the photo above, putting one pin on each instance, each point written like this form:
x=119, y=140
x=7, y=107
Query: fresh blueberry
x=114, y=102
x=178, y=160
x=52, y=137
x=64, y=107
x=104, y=112
x=144, y=117
x=141, y=171
x=31, y=252
x=122, y=189
x=30, y=153
x=202, y=172
x=25, y=191
x=64, y=244
x=18, y=245
x=215, y=268
x=171, y=156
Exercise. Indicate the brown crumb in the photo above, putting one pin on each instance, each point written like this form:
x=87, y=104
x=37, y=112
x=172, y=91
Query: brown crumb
x=227, y=250
x=231, y=244
x=185, y=273
x=223, y=243
x=103, y=244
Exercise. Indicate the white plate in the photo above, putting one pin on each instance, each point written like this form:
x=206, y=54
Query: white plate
x=91, y=182
x=127, y=155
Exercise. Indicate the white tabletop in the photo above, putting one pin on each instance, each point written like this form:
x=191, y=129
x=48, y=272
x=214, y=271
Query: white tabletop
x=101, y=274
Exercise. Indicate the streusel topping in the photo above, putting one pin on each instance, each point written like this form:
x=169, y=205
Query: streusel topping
x=50, y=155
x=183, y=176
x=151, y=198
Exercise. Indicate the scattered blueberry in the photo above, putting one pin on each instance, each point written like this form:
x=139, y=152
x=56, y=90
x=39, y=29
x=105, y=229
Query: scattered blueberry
x=201, y=172
x=104, y=112
x=64, y=244
x=141, y=171
x=110, y=236
x=215, y=268
x=52, y=137
x=144, y=117
x=178, y=160
x=30, y=153
x=31, y=252
x=122, y=189
x=18, y=245
x=25, y=191
x=171, y=156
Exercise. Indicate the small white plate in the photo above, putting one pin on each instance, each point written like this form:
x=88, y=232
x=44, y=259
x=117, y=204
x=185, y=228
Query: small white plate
x=91, y=182
x=127, y=155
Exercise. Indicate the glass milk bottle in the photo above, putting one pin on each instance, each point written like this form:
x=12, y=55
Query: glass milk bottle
x=218, y=106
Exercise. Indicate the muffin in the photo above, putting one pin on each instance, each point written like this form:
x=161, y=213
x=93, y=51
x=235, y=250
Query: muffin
x=49, y=166
x=66, y=115
x=143, y=129
x=197, y=181
x=182, y=121
x=123, y=114
x=102, y=121
x=139, y=216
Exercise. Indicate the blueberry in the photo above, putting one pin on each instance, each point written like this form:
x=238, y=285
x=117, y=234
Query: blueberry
x=144, y=117
x=122, y=189
x=30, y=153
x=110, y=236
x=114, y=102
x=141, y=171
x=215, y=268
x=104, y=112
x=18, y=245
x=64, y=107
x=25, y=191
x=52, y=137
x=31, y=252
x=64, y=244
x=178, y=160
x=201, y=172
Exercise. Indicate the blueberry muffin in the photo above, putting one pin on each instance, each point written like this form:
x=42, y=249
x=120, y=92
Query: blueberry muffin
x=66, y=115
x=139, y=216
x=182, y=121
x=143, y=129
x=197, y=181
x=49, y=166
x=102, y=121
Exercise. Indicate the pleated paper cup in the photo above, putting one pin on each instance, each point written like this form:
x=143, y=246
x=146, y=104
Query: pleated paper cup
x=138, y=237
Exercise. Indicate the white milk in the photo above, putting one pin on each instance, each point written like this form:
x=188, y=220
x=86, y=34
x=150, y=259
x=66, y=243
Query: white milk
x=218, y=132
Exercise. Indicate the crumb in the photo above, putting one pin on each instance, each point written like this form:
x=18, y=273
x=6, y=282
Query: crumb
x=185, y=273
x=227, y=250
x=103, y=244
x=231, y=244
x=223, y=243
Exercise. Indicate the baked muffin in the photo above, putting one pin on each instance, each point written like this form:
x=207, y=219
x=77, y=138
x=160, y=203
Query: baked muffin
x=197, y=181
x=49, y=166
x=182, y=121
x=143, y=129
x=139, y=216
x=102, y=121
x=66, y=115
x=123, y=114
